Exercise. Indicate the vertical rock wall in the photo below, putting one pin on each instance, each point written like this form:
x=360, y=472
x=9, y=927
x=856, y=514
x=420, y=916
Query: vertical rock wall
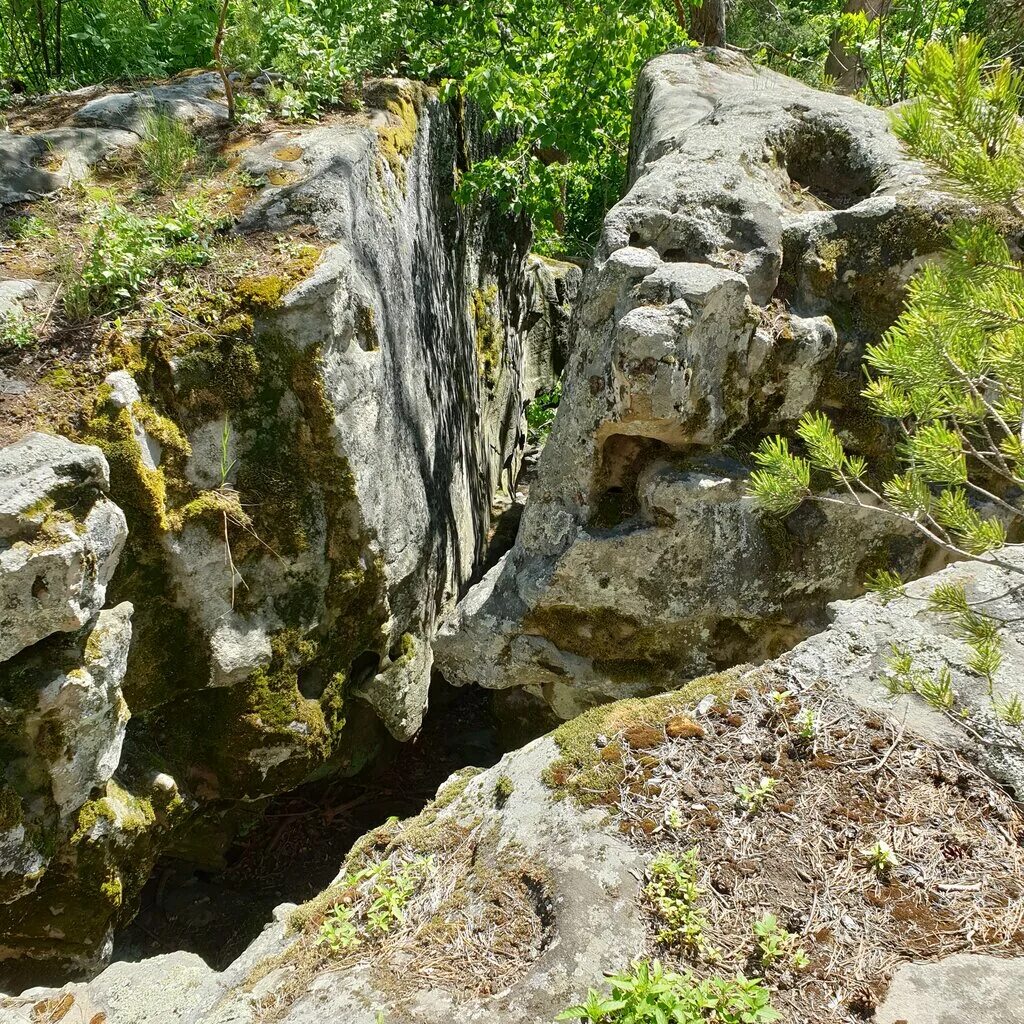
x=306, y=460
x=766, y=238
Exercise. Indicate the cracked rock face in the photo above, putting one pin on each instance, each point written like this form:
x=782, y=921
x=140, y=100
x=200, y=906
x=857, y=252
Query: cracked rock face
x=60, y=539
x=354, y=421
x=765, y=240
x=63, y=714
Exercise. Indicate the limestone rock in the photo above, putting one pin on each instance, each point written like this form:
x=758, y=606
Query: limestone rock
x=37, y=165
x=584, y=899
x=765, y=240
x=308, y=488
x=552, y=287
x=959, y=988
x=60, y=539
x=160, y=990
x=79, y=717
x=853, y=656
x=586, y=906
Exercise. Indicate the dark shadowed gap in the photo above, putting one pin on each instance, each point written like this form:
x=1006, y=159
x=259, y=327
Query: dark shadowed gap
x=295, y=849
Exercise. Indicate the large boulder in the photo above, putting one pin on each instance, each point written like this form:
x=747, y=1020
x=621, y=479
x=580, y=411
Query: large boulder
x=765, y=240
x=66, y=853
x=60, y=538
x=306, y=454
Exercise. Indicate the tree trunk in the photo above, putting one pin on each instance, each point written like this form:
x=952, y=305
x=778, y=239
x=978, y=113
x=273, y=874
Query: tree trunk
x=707, y=23
x=841, y=65
x=218, y=59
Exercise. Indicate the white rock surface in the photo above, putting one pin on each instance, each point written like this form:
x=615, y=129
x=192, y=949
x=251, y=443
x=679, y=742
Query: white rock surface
x=60, y=538
x=764, y=241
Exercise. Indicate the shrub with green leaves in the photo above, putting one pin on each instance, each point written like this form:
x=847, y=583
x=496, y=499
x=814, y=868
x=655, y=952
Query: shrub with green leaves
x=675, y=894
x=126, y=250
x=540, y=414
x=648, y=994
x=17, y=331
x=374, y=901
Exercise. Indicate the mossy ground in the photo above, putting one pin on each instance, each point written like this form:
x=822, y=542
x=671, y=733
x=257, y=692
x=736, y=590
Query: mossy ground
x=590, y=772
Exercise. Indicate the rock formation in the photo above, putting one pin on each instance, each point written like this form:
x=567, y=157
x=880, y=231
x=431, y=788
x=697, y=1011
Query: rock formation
x=532, y=820
x=306, y=462
x=764, y=241
x=306, y=471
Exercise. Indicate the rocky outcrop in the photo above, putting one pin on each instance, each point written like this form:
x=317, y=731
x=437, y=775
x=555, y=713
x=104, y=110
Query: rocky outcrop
x=306, y=457
x=60, y=539
x=63, y=715
x=40, y=163
x=765, y=239
x=579, y=817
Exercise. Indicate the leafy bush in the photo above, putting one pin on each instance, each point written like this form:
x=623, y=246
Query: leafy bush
x=648, y=994
x=125, y=252
x=17, y=331
x=674, y=894
x=540, y=414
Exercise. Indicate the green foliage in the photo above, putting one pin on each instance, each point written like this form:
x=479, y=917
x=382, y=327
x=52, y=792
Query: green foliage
x=674, y=894
x=753, y=798
x=126, y=250
x=49, y=44
x=789, y=36
x=17, y=331
x=774, y=943
x=648, y=994
x=167, y=150
x=966, y=119
x=540, y=414
x=338, y=931
x=373, y=901
x=887, y=46
x=881, y=859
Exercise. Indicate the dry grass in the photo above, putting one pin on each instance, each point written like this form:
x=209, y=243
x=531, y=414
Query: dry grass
x=475, y=924
x=859, y=779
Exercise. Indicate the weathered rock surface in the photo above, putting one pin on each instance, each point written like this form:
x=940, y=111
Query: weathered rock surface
x=307, y=479
x=960, y=988
x=63, y=715
x=60, y=539
x=524, y=814
x=38, y=164
x=766, y=238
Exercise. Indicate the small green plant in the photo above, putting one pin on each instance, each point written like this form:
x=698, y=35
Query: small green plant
x=167, y=150
x=774, y=943
x=880, y=858
x=806, y=725
x=125, y=251
x=673, y=817
x=674, y=894
x=753, y=798
x=540, y=414
x=376, y=899
x=338, y=931
x=648, y=994
x=27, y=226
x=503, y=789
x=251, y=110
x=17, y=331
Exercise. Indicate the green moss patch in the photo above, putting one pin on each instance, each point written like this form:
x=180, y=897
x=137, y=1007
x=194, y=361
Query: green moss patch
x=590, y=773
